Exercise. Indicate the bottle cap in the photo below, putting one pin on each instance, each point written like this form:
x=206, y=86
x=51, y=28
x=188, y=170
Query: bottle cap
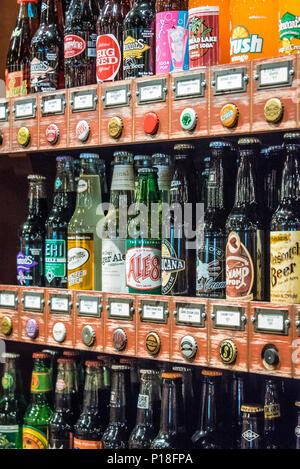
x=119, y=339
x=82, y=130
x=127, y=361
x=229, y=115
x=6, y=325
x=52, y=134
x=151, y=123
x=120, y=367
x=123, y=154
x=24, y=136
x=252, y=408
x=92, y=363
x=188, y=119
x=248, y=142
x=149, y=372
x=153, y=343
x=290, y=137
x=7, y=355
x=32, y=329
x=115, y=127
x=151, y=170
x=181, y=369
x=71, y=353
x=88, y=335
x=184, y=147
x=42, y=356
x=220, y=144
x=211, y=373
x=167, y=375
x=228, y=352
x=161, y=159
x=101, y=362
x=36, y=178
x=188, y=347
x=67, y=159
x=59, y=332
x=273, y=110
x=89, y=156
x=65, y=361
x=297, y=403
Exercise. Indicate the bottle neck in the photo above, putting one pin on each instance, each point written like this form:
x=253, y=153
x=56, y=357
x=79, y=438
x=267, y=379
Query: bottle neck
x=245, y=186
x=291, y=176
x=148, y=191
x=238, y=397
x=147, y=397
x=215, y=185
x=37, y=200
x=168, y=422
x=118, y=399
x=48, y=13
x=9, y=379
x=23, y=13
x=90, y=393
x=89, y=192
x=210, y=422
x=65, y=386
x=122, y=185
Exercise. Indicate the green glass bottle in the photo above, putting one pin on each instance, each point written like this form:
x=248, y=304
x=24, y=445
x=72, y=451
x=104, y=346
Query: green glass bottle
x=143, y=245
x=10, y=412
x=39, y=412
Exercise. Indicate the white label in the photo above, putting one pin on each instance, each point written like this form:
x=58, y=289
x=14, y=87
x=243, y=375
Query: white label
x=228, y=82
x=150, y=93
x=143, y=402
x=270, y=322
x=191, y=315
x=88, y=306
x=83, y=101
x=24, y=109
x=120, y=309
x=9, y=429
x=116, y=97
x=31, y=301
x=2, y=112
x=153, y=312
x=123, y=178
x=228, y=318
x=60, y=304
x=273, y=76
x=52, y=106
x=188, y=87
x=59, y=332
x=114, y=266
x=7, y=299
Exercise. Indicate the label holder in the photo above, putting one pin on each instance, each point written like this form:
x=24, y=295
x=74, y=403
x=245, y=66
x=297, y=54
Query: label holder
x=186, y=80
x=128, y=302
x=89, y=299
x=125, y=89
x=242, y=71
x=54, y=310
x=161, y=311
x=56, y=97
x=15, y=299
x=30, y=103
x=234, y=310
x=285, y=83
x=35, y=295
x=160, y=87
x=4, y=113
x=280, y=313
x=91, y=95
x=192, y=306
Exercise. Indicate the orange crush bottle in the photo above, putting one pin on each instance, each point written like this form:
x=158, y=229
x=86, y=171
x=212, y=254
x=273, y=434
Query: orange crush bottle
x=289, y=27
x=254, y=29
x=209, y=32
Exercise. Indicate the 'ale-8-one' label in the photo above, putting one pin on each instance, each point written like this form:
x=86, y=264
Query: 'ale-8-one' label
x=143, y=272
x=81, y=261
x=55, y=259
x=285, y=266
x=113, y=266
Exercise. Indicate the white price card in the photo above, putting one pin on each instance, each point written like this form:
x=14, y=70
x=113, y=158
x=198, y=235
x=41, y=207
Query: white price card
x=270, y=322
x=188, y=87
x=88, y=306
x=120, y=309
x=2, y=112
x=273, y=76
x=151, y=92
x=32, y=302
x=52, y=106
x=60, y=304
x=189, y=315
x=230, y=82
x=228, y=318
x=83, y=101
x=153, y=312
x=24, y=109
x=116, y=97
x=7, y=299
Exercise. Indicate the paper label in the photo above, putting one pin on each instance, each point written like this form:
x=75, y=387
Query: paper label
x=87, y=444
x=189, y=315
x=143, y=272
x=34, y=438
x=230, y=82
x=123, y=178
x=119, y=309
x=108, y=57
x=16, y=84
x=9, y=437
x=204, y=36
x=114, y=266
x=153, y=312
x=116, y=97
x=55, y=259
x=81, y=261
x=239, y=269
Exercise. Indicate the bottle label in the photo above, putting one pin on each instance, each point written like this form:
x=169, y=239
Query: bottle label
x=114, y=266
x=81, y=261
x=82, y=186
x=44, y=72
x=55, y=259
x=30, y=266
x=34, y=438
x=289, y=33
x=170, y=266
x=239, y=269
x=204, y=43
x=7, y=380
x=138, y=56
x=211, y=268
x=92, y=42
x=163, y=177
x=58, y=183
x=297, y=432
x=40, y=382
x=243, y=44
x=16, y=84
x=172, y=48
x=285, y=266
x=73, y=46
x=87, y=444
x=60, y=385
x=123, y=178
x=143, y=272
x=272, y=411
x=9, y=436
x=143, y=402
x=114, y=400
x=108, y=57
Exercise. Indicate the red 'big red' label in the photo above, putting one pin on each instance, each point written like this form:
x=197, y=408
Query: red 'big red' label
x=143, y=270
x=239, y=269
x=74, y=45
x=108, y=57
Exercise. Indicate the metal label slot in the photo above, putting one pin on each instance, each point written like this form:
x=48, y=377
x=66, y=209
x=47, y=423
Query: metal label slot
x=53, y=105
x=271, y=321
x=153, y=91
x=60, y=304
x=89, y=306
x=117, y=96
x=84, y=101
x=191, y=86
x=33, y=302
x=228, y=318
x=4, y=112
x=120, y=308
x=275, y=75
x=154, y=311
x=230, y=81
x=193, y=315
x=8, y=299
x=25, y=109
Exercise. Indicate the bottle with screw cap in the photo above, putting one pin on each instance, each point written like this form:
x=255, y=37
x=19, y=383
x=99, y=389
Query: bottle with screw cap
x=252, y=426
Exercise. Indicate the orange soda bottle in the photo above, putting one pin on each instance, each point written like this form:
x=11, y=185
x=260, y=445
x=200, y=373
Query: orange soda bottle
x=254, y=29
x=289, y=27
x=209, y=32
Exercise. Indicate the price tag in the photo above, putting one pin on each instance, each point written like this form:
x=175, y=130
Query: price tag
x=88, y=306
x=120, y=310
x=229, y=82
x=152, y=92
x=153, y=312
x=190, y=315
x=228, y=317
x=116, y=97
x=52, y=106
x=32, y=301
x=190, y=86
x=270, y=322
x=8, y=300
x=273, y=76
x=25, y=109
x=3, y=113
x=84, y=100
x=60, y=304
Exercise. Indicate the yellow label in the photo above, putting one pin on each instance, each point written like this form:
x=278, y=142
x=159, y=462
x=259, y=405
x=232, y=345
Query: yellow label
x=272, y=411
x=285, y=266
x=81, y=261
x=34, y=438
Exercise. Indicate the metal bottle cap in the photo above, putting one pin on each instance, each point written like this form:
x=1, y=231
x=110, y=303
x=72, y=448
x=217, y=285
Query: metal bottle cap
x=52, y=134
x=151, y=123
x=88, y=335
x=6, y=325
x=32, y=328
x=59, y=332
x=271, y=356
x=115, y=127
x=229, y=115
x=153, y=343
x=119, y=339
x=273, y=110
x=23, y=136
x=251, y=408
x=82, y=130
x=188, y=119
x=188, y=347
x=228, y=352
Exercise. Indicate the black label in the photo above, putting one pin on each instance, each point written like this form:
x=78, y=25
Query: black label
x=211, y=268
x=30, y=265
x=171, y=266
x=139, y=52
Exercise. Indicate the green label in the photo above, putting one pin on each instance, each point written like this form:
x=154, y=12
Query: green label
x=289, y=26
x=10, y=437
x=143, y=270
x=35, y=438
x=40, y=382
x=7, y=381
x=58, y=183
x=55, y=259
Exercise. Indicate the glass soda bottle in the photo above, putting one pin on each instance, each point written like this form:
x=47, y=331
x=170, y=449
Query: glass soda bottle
x=252, y=426
x=38, y=413
x=162, y=163
x=272, y=419
x=289, y=27
x=297, y=427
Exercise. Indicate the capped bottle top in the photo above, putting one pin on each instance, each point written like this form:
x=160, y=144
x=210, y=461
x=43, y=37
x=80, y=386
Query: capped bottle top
x=252, y=408
x=248, y=142
x=101, y=362
x=127, y=361
x=147, y=171
x=291, y=137
x=36, y=178
x=149, y=372
x=64, y=361
x=42, y=356
x=92, y=363
x=142, y=158
x=53, y=353
x=123, y=154
x=184, y=147
x=7, y=355
x=216, y=144
x=89, y=156
x=211, y=373
x=66, y=159
x=120, y=367
x=71, y=353
x=297, y=403
x=168, y=375
x=161, y=159
x=181, y=369
x=272, y=149
x=27, y=1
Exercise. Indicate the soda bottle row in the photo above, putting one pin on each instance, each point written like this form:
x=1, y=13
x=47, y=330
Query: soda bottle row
x=106, y=403
x=124, y=40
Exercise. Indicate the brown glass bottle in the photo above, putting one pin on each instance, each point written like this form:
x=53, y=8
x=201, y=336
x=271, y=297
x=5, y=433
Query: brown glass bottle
x=132, y=388
x=109, y=64
x=252, y=426
x=272, y=421
x=237, y=400
x=245, y=260
x=116, y=434
x=147, y=412
x=188, y=398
